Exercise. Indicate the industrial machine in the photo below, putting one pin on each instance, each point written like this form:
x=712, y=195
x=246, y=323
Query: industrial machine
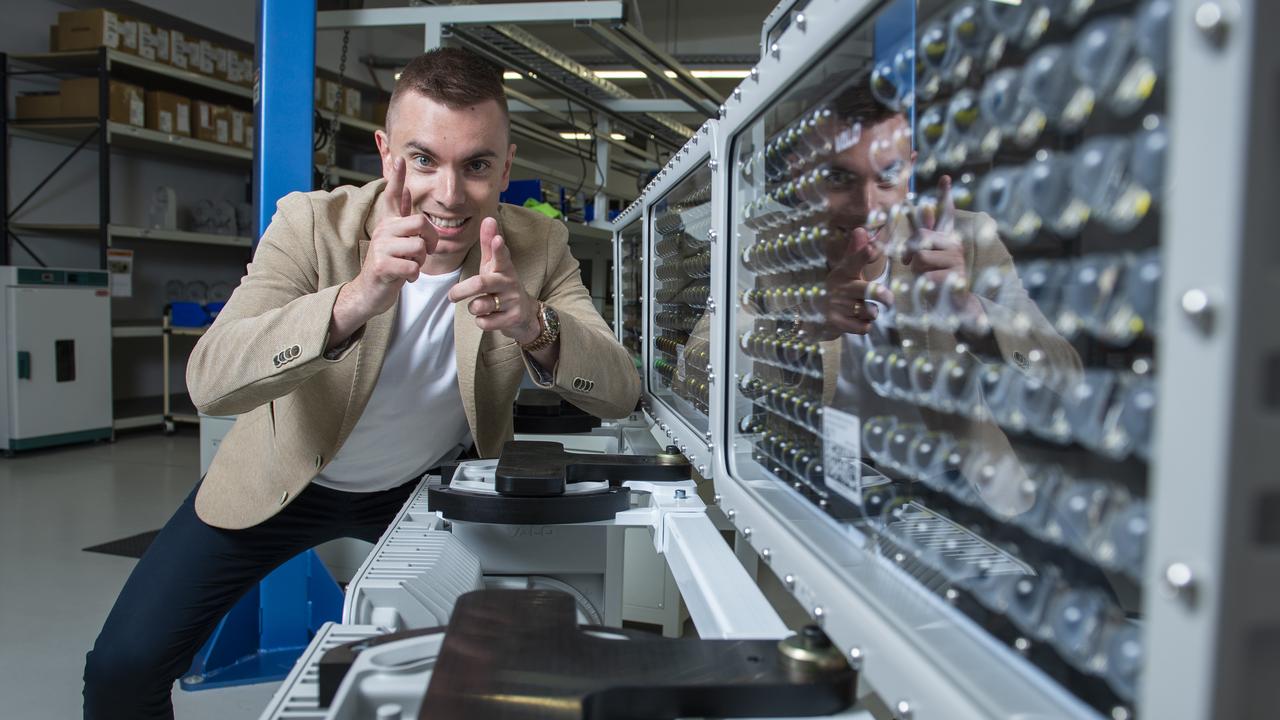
x=56, y=325
x=971, y=375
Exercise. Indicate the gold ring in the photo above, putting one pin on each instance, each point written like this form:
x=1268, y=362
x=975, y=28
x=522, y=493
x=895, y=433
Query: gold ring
x=497, y=303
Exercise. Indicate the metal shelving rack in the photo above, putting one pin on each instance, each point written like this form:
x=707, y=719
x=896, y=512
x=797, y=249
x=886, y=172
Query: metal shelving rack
x=108, y=137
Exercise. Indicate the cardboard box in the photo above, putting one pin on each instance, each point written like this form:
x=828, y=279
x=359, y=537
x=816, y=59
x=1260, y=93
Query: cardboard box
x=351, y=102
x=153, y=42
x=221, y=62
x=379, y=115
x=327, y=94
x=213, y=122
x=206, y=58
x=39, y=106
x=129, y=35
x=239, y=68
x=168, y=113
x=183, y=52
x=126, y=103
x=241, y=128
x=89, y=29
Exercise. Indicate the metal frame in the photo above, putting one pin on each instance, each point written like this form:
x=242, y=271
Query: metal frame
x=694, y=444
x=1213, y=571
x=920, y=654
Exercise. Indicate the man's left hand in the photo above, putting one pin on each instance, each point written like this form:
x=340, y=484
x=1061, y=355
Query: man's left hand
x=498, y=300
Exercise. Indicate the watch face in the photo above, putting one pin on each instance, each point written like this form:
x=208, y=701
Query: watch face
x=552, y=319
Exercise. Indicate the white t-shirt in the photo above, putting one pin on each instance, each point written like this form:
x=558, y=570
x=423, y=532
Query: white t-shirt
x=414, y=418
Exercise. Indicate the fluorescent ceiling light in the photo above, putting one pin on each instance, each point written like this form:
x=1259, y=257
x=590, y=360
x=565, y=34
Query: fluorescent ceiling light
x=509, y=75
x=621, y=74
x=617, y=136
x=640, y=74
x=575, y=135
x=735, y=74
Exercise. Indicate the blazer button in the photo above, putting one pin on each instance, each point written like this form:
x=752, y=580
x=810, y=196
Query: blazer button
x=295, y=351
x=319, y=462
x=284, y=497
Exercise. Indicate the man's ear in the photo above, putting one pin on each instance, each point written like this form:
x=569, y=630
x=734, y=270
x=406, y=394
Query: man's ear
x=506, y=168
x=384, y=150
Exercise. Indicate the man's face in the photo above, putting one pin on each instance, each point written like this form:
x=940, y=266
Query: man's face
x=870, y=177
x=457, y=162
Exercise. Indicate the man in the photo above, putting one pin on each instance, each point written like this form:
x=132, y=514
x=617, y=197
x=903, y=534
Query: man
x=380, y=331
x=884, y=247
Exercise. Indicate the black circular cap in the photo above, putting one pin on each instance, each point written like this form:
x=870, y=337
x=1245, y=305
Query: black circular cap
x=814, y=638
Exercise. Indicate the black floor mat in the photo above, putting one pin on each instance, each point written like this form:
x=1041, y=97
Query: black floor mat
x=132, y=547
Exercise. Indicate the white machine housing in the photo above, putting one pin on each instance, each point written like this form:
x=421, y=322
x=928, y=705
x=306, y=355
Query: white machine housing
x=56, y=328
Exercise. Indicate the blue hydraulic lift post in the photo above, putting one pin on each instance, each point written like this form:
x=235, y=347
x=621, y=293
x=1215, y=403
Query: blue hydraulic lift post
x=283, y=99
x=260, y=638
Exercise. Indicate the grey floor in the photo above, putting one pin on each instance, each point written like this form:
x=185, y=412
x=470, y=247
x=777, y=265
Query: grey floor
x=54, y=596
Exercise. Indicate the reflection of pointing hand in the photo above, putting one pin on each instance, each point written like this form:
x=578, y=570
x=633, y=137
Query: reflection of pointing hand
x=937, y=251
x=498, y=300
x=848, y=309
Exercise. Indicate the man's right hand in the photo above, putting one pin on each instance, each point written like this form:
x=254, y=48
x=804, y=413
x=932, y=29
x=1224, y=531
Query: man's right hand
x=398, y=247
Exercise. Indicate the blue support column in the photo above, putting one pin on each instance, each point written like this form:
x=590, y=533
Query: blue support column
x=265, y=633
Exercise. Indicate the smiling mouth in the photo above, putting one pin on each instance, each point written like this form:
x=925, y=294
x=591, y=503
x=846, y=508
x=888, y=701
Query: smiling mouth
x=447, y=223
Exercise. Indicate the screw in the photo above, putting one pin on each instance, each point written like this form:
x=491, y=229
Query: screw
x=1180, y=582
x=767, y=554
x=681, y=494
x=1211, y=18
x=790, y=581
x=856, y=658
x=731, y=514
x=737, y=93
x=702, y=470
x=902, y=711
x=746, y=533
x=755, y=72
x=1198, y=306
x=819, y=614
x=715, y=499
x=713, y=165
x=775, y=50
x=801, y=20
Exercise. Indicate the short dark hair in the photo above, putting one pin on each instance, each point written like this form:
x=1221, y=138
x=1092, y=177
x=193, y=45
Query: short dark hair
x=858, y=103
x=455, y=77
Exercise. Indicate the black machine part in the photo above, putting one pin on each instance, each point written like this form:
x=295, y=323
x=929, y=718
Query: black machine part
x=543, y=411
x=521, y=655
x=531, y=479
x=543, y=469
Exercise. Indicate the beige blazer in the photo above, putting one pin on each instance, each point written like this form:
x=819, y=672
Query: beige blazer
x=263, y=359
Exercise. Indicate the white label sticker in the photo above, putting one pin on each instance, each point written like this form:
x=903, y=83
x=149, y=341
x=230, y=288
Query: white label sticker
x=184, y=119
x=842, y=454
x=137, y=112
x=223, y=132
x=165, y=122
x=120, y=265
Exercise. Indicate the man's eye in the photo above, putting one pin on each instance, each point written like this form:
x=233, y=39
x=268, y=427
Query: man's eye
x=892, y=174
x=422, y=161
x=479, y=165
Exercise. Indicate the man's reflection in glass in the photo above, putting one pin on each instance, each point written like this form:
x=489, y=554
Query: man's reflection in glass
x=884, y=251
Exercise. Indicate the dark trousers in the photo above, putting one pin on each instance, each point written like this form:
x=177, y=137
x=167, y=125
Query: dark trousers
x=192, y=575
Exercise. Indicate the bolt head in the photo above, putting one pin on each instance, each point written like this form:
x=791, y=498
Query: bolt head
x=789, y=580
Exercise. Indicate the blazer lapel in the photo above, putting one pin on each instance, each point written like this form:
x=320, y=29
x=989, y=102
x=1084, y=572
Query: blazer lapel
x=373, y=346
x=466, y=343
